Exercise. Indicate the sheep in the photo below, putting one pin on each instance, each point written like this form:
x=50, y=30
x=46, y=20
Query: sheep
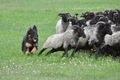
x=70, y=26
x=63, y=41
x=115, y=28
x=88, y=16
x=113, y=39
x=116, y=18
x=62, y=24
x=94, y=37
x=81, y=22
x=112, y=43
x=83, y=42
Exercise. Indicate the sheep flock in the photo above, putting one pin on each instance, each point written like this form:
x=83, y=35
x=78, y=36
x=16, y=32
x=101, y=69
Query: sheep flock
x=96, y=32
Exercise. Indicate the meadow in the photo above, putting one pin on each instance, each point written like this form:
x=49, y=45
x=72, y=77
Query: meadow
x=16, y=16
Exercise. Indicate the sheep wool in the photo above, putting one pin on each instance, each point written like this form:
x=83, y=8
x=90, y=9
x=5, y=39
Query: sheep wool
x=61, y=26
x=54, y=41
x=57, y=40
x=113, y=39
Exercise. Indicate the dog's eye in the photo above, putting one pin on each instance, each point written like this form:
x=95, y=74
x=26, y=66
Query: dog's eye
x=30, y=37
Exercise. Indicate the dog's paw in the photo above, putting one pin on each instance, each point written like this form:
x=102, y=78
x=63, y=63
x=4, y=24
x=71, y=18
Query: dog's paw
x=27, y=52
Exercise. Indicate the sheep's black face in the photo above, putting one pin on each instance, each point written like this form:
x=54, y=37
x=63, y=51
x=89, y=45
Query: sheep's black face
x=111, y=14
x=106, y=12
x=81, y=22
x=32, y=34
x=79, y=30
x=64, y=16
x=108, y=28
x=116, y=18
x=88, y=15
x=104, y=28
x=74, y=19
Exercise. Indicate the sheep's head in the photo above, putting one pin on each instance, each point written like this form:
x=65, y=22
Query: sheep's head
x=106, y=12
x=116, y=18
x=79, y=30
x=103, y=28
x=88, y=15
x=81, y=22
x=74, y=19
x=64, y=16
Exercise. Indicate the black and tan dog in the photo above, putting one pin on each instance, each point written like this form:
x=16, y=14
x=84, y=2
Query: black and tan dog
x=30, y=41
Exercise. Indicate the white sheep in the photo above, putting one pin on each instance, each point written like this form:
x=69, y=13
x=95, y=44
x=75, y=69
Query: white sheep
x=63, y=41
x=112, y=40
x=63, y=23
x=112, y=43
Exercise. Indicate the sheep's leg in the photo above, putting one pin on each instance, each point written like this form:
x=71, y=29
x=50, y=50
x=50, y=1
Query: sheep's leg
x=72, y=55
x=42, y=51
x=97, y=50
x=51, y=51
x=66, y=52
x=74, y=51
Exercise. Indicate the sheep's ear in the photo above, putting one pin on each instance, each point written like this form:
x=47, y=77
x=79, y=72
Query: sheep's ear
x=35, y=28
x=68, y=14
x=60, y=14
x=76, y=14
x=82, y=15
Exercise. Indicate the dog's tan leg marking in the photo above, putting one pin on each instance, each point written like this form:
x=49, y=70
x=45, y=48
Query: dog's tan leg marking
x=34, y=50
x=27, y=51
x=28, y=44
x=36, y=44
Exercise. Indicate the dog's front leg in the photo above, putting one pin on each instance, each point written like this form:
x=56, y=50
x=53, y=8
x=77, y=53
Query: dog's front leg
x=34, y=50
x=27, y=51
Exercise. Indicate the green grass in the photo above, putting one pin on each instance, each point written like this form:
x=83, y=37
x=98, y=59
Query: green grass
x=15, y=18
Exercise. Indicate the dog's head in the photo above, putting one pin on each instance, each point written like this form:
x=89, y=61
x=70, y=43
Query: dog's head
x=32, y=34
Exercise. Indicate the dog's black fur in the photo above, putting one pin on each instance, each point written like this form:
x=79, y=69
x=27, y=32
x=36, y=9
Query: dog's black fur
x=30, y=41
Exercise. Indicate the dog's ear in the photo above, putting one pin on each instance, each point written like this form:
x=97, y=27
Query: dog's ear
x=35, y=28
x=29, y=29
